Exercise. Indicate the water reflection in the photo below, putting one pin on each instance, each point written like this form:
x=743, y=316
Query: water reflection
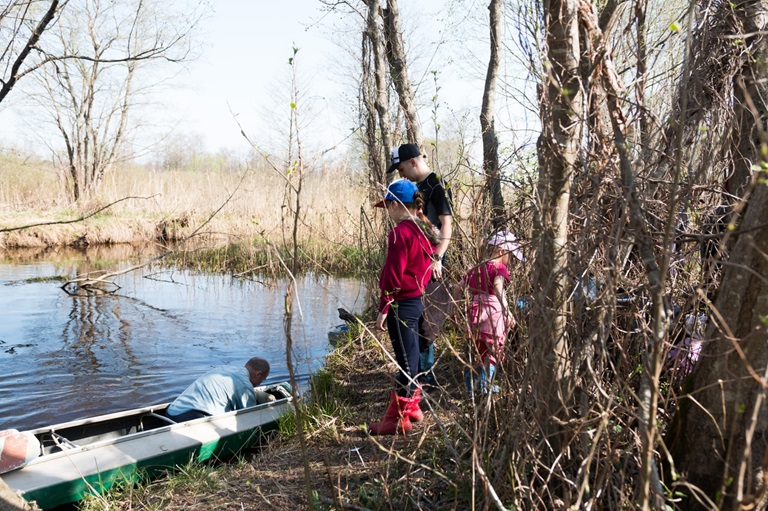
x=65, y=357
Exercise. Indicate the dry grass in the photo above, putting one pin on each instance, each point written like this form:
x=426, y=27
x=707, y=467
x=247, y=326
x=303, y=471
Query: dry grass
x=173, y=204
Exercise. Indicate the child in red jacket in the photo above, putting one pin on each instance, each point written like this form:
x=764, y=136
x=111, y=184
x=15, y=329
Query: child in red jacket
x=406, y=272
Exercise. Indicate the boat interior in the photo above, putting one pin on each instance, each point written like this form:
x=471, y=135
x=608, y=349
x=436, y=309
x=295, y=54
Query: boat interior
x=82, y=433
x=76, y=436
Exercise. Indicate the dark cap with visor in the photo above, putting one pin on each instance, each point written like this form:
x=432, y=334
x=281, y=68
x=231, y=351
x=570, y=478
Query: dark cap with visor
x=403, y=153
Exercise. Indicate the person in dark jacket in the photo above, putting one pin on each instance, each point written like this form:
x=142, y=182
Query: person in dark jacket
x=411, y=164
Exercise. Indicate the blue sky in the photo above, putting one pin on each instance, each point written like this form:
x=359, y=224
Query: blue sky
x=245, y=60
x=243, y=71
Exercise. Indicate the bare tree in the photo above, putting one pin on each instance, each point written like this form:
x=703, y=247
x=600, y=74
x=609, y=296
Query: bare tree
x=22, y=23
x=558, y=153
x=91, y=87
x=488, y=130
x=399, y=70
x=375, y=97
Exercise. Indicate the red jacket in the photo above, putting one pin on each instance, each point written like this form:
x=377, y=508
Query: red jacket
x=407, y=268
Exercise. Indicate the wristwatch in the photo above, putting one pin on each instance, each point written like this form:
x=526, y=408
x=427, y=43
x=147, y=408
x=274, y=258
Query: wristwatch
x=436, y=257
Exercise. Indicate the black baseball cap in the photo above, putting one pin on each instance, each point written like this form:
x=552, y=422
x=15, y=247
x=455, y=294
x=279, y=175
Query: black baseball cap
x=403, y=153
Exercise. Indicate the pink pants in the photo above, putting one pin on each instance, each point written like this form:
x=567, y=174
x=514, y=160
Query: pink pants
x=487, y=327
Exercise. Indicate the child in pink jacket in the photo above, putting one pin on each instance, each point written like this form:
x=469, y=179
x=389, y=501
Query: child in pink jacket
x=488, y=316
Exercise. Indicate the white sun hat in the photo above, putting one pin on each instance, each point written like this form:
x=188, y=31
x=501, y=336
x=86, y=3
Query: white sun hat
x=507, y=241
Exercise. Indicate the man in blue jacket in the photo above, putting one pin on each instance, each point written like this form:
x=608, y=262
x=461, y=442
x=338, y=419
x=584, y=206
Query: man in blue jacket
x=219, y=391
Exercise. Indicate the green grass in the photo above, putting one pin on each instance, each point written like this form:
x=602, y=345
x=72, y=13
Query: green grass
x=326, y=408
x=323, y=413
x=259, y=258
x=197, y=478
x=121, y=490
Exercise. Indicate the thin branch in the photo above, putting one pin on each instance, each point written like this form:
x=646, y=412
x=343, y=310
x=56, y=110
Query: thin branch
x=76, y=220
x=33, y=38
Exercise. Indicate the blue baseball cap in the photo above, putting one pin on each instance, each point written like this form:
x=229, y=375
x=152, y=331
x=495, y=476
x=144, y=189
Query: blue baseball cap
x=401, y=190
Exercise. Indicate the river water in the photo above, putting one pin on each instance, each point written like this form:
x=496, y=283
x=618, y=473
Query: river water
x=65, y=357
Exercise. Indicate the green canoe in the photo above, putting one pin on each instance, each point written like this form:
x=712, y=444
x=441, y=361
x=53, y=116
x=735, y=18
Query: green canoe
x=90, y=455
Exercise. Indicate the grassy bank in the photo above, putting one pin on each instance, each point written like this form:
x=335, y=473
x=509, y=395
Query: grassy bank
x=233, y=222
x=136, y=205
x=348, y=468
x=243, y=259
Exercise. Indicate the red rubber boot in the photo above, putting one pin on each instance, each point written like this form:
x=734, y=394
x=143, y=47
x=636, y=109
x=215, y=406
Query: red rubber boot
x=413, y=411
x=395, y=420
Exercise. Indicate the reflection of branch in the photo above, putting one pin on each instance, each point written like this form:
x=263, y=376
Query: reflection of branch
x=63, y=222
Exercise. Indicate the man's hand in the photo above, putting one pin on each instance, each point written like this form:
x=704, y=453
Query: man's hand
x=381, y=321
x=437, y=269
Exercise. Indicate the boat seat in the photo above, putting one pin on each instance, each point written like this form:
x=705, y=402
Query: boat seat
x=161, y=418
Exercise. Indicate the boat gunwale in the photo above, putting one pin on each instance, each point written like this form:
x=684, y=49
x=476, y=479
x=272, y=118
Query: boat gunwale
x=137, y=412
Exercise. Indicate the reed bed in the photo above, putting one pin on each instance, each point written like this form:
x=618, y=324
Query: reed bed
x=214, y=207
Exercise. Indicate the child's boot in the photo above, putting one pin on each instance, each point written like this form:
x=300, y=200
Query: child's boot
x=396, y=418
x=413, y=411
x=486, y=379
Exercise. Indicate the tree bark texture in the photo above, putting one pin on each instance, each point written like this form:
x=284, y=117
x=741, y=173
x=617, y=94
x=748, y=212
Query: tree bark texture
x=381, y=101
x=490, y=140
x=558, y=155
x=368, y=109
x=720, y=433
x=749, y=96
x=399, y=71
x=9, y=501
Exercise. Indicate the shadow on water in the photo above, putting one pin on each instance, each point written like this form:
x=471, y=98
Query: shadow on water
x=67, y=357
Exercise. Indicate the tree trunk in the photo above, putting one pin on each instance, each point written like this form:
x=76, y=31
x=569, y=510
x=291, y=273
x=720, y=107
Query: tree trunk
x=718, y=438
x=9, y=501
x=648, y=395
x=748, y=98
x=558, y=154
x=490, y=141
x=399, y=71
x=380, y=101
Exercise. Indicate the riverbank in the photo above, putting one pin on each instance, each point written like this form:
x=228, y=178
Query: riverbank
x=136, y=205
x=341, y=466
x=222, y=244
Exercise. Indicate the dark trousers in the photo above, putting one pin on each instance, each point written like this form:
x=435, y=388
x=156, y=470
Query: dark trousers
x=403, y=327
x=437, y=307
